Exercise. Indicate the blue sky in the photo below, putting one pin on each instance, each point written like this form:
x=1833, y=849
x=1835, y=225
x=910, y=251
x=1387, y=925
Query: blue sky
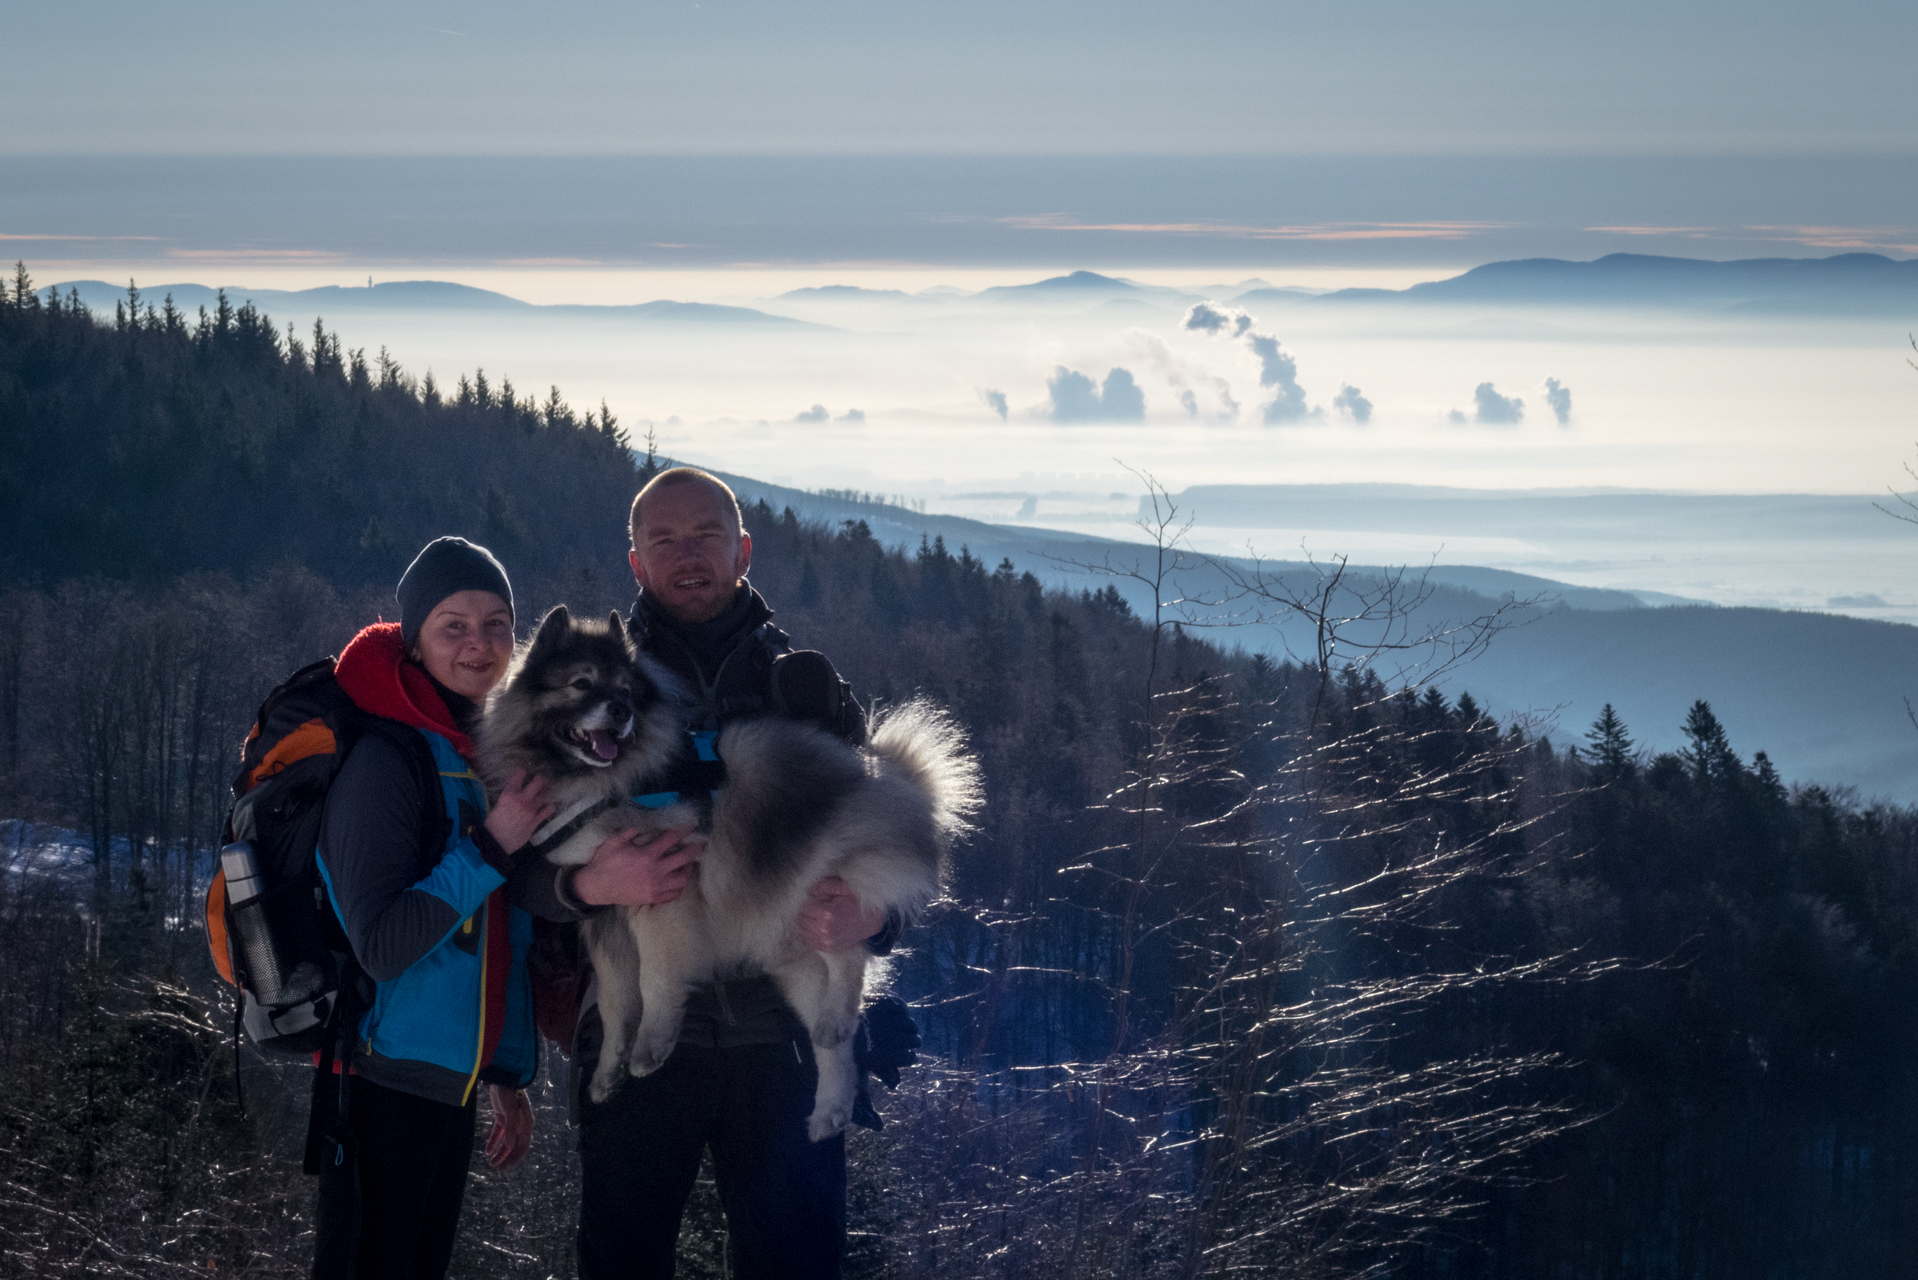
x=1367, y=77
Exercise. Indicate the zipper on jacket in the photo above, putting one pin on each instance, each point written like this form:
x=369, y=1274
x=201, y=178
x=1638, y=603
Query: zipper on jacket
x=479, y=1048
x=709, y=688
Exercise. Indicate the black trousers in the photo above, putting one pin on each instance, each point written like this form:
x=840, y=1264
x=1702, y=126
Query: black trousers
x=784, y=1195
x=404, y=1189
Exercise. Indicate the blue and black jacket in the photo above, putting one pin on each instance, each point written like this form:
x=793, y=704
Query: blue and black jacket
x=451, y=1006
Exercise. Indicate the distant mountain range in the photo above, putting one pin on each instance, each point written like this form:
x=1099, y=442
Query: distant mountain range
x=1086, y=286
x=1844, y=283
x=851, y=293
x=423, y=295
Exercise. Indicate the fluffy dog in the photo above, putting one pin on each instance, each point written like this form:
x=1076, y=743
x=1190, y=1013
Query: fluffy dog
x=583, y=708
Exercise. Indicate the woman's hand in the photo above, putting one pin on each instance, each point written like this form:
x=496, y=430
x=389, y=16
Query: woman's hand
x=832, y=919
x=512, y=1130
x=638, y=875
x=522, y=808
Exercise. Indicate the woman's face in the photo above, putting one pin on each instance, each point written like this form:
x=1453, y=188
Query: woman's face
x=466, y=642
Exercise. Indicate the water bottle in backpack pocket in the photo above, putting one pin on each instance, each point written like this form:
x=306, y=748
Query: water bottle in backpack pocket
x=286, y=996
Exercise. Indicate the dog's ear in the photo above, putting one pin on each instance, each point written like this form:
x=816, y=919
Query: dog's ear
x=617, y=626
x=552, y=627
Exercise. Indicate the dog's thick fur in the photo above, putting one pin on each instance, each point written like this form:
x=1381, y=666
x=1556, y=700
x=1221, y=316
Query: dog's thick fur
x=799, y=804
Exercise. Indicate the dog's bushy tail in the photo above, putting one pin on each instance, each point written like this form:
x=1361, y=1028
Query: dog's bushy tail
x=926, y=746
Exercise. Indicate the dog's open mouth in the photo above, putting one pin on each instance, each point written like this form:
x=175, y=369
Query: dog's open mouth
x=596, y=746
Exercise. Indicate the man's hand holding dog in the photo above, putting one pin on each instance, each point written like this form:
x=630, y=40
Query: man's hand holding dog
x=832, y=919
x=629, y=874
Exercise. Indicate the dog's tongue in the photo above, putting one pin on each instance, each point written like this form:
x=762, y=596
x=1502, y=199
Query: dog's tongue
x=603, y=744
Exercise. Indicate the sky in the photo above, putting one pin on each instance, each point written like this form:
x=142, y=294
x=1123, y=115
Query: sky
x=746, y=133
x=989, y=77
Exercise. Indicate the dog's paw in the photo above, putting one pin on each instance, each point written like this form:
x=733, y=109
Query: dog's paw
x=825, y=1123
x=650, y=1054
x=603, y=1083
x=833, y=1032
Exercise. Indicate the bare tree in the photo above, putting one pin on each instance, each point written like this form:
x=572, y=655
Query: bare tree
x=1302, y=1093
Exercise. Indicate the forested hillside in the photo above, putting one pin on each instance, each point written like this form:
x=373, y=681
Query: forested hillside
x=167, y=443
x=1252, y=967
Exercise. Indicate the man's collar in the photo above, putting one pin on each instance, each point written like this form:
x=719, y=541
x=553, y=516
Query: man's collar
x=748, y=611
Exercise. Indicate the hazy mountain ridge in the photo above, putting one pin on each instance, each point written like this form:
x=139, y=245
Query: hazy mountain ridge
x=1084, y=284
x=1861, y=281
x=419, y=295
x=1821, y=693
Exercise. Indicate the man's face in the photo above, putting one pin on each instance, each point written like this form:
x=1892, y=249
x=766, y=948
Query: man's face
x=689, y=553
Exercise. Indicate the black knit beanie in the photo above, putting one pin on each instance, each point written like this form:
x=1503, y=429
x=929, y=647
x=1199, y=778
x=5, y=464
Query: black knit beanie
x=445, y=567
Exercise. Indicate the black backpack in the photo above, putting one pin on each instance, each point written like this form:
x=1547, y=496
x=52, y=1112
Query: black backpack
x=270, y=927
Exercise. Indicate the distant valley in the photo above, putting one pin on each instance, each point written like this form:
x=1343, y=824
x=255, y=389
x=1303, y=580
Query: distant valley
x=1822, y=694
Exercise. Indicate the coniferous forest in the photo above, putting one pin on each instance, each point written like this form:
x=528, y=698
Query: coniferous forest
x=1299, y=967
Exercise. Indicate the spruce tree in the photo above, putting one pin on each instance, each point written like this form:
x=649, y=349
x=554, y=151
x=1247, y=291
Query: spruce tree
x=1710, y=755
x=1611, y=747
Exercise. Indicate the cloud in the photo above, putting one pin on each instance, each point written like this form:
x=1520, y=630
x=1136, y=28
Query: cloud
x=1075, y=398
x=1895, y=239
x=1694, y=232
x=1457, y=418
x=258, y=255
x=1351, y=404
x=852, y=415
x=815, y=414
x=995, y=401
x=1122, y=398
x=1559, y=397
x=1276, y=369
x=1495, y=409
x=1280, y=371
x=1240, y=231
x=1206, y=318
x=1186, y=379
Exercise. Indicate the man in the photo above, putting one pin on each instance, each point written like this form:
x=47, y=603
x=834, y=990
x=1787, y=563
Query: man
x=741, y=1081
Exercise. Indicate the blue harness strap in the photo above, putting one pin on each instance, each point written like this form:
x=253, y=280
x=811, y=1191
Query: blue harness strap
x=706, y=749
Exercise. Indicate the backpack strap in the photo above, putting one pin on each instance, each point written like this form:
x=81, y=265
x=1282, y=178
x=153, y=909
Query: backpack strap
x=436, y=825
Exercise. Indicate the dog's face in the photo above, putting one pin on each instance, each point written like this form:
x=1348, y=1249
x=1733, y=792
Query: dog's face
x=580, y=700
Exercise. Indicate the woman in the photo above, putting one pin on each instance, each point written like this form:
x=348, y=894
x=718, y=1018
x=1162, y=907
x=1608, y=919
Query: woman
x=414, y=864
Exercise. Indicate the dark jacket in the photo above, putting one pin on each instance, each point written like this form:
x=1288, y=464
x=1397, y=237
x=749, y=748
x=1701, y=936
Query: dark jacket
x=452, y=1005
x=737, y=666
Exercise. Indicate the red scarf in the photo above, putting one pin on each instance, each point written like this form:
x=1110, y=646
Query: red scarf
x=376, y=674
